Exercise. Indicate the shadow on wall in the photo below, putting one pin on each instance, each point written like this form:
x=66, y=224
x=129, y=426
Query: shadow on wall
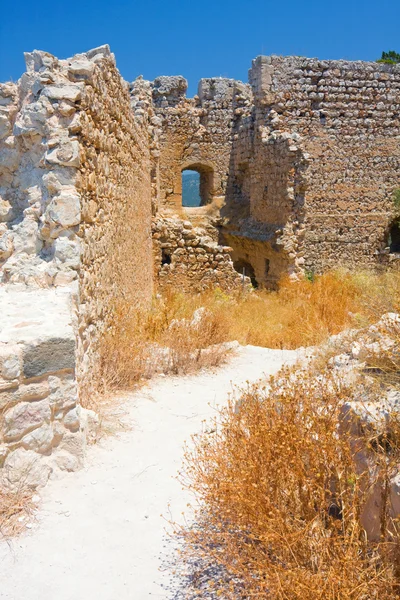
x=394, y=238
x=244, y=268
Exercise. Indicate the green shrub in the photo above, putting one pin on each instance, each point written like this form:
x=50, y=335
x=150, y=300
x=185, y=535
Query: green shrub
x=389, y=58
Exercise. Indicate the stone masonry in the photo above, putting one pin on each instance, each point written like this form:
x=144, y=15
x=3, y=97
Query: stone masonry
x=298, y=171
x=75, y=245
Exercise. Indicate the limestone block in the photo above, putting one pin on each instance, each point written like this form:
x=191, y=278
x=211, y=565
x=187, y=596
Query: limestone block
x=70, y=454
x=24, y=417
x=68, y=252
x=72, y=93
x=48, y=356
x=66, y=154
x=24, y=468
x=26, y=237
x=81, y=68
x=5, y=211
x=71, y=420
x=40, y=440
x=59, y=178
x=10, y=361
x=63, y=211
x=30, y=392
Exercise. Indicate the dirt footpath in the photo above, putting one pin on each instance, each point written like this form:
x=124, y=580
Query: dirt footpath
x=100, y=534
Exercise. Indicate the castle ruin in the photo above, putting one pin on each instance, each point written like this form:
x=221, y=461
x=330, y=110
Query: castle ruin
x=298, y=169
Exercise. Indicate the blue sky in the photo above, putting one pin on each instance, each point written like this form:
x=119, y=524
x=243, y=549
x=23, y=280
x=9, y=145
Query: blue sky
x=197, y=39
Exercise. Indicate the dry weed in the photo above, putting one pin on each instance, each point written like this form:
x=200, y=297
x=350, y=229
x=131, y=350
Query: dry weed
x=281, y=495
x=16, y=508
x=142, y=343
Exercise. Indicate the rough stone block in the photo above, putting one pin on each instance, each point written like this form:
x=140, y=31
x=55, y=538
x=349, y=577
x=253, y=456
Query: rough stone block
x=24, y=417
x=25, y=469
x=49, y=356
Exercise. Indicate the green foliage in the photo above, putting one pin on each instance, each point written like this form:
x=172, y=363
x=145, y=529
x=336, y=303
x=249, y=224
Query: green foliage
x=390, y=58
x=396, y=198
x=309, y=275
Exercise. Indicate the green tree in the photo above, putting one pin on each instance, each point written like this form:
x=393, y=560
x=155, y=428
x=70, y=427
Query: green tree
x=390, y=58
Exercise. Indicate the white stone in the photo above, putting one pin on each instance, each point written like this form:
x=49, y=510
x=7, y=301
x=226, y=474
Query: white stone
x=24, y=417
x=25, y=469
x=64, y=211
x=67, y=153
x=40, y=440
x=68, y=252
x=63, y=92
x=10, y=361
x=71, y=420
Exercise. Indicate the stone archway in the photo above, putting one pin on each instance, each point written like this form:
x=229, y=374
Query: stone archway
x=205, y=185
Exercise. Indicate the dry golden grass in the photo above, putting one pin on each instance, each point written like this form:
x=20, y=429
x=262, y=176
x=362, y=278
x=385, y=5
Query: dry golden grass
x=281, y=495
x=16, y=507
x=300, y=313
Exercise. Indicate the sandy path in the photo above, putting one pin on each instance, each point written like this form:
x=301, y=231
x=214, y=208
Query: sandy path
x=100, y=534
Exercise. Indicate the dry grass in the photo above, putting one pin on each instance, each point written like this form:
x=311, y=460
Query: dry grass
x=302, y=313
x=285, y=482
x=281, y=494
x=16, y=509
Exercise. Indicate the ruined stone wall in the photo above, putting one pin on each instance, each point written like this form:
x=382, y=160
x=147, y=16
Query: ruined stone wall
x=75, y=218
x=196, y=134
x=189, y=260
x=115, y=188
x=39, y=152
x=343, y=119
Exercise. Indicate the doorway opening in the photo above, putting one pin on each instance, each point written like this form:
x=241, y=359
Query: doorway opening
x=197, y=186
x=394, y=238
x=244, y=268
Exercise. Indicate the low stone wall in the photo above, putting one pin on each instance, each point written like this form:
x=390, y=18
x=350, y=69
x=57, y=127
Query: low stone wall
x=40, y=413
x=187, y=259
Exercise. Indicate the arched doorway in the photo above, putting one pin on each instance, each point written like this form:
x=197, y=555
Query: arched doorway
x=197, y=185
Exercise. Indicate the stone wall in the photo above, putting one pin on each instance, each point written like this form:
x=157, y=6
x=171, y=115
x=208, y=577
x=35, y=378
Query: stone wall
x=305, y=161
x=116, y=270
x=194, y=133
x=344, y=122
x=40, y=413
x=75, y=248
x=189, y=260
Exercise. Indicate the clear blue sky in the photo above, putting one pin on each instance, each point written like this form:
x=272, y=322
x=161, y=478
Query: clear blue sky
x=197, y=39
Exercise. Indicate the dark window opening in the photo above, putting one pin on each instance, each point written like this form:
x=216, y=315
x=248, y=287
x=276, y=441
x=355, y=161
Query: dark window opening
x=245, y=268
x=165, y=258
x=267, y=266
x=322, y=118
x=394, y=238
x=197, y=186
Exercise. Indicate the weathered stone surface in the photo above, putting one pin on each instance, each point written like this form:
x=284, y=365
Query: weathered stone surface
x=40, y=440
x=63, y=212
x=71, y=420
x=24, y=469
x=49, y=356
x=24, y=417
x=63, y=392
x=10, y=361
x=63, y=92
x=71, y=452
